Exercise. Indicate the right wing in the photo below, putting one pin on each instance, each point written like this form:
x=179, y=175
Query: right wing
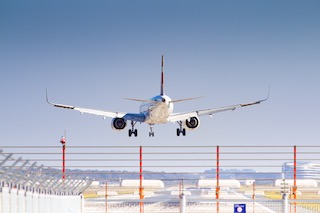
x=188, y=115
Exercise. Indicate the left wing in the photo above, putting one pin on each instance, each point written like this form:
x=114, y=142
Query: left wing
x=102, y=113
x=188, y=115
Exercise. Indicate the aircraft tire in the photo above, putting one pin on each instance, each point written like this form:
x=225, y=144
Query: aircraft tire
x=184, y=132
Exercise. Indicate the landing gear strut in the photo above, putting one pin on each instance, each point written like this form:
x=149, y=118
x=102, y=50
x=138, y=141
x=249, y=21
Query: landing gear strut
x=151, y=133
x=133, y=130
x=181, y=129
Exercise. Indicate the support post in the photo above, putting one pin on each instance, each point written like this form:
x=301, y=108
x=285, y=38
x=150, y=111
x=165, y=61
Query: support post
x=253, y=195
x=63, y=142
x=141, y=190
x=284, y=192
x=218, y=178
x=284, y=203
x=295, y=177
x=183, y=203
x=106, y=196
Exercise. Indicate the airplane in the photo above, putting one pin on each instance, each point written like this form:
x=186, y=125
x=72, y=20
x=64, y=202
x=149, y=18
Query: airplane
x=157, y=110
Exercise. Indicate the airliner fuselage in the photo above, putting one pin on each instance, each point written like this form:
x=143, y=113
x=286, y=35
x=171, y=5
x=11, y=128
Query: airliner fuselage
x=158, y=111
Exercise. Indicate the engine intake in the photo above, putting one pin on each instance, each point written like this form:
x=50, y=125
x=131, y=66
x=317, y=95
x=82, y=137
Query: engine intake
x=192, y=123
x=118, y=124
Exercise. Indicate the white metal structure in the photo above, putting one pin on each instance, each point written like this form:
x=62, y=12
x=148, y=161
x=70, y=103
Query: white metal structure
x=157, y=110
x=26, y=188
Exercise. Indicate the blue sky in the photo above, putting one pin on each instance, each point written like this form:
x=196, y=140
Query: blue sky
x=94, y=53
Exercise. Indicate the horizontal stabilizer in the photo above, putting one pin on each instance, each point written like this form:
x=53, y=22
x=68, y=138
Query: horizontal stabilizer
x=140, y=100
x=185, y=99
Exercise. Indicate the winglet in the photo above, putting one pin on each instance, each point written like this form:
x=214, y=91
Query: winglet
x=162, y=78
x=53, y=104
x=58, y=105
x=257, y=102
x=47, y=97
x=268, y=94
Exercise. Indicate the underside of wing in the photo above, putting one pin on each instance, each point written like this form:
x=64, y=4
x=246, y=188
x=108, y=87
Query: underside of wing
x=102, y=113
x=217, y=110
x=188, y=115
x=181, y=116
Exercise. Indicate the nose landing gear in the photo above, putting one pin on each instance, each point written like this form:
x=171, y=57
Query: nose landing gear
x=151, y=133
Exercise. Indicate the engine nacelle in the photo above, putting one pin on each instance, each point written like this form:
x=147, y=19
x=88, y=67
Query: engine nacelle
x=192, y=123
x=118, y=123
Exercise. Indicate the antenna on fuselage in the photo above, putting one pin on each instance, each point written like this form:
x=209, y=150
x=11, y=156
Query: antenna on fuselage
x=162, y=78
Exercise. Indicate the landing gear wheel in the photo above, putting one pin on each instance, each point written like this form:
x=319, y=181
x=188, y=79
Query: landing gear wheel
x=133, y=130
x=184, y=132
x=151, y=133
x=181, y=130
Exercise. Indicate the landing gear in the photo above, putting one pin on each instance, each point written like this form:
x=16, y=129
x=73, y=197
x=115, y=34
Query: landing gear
x=151, y=133
x=133, y=130
x=181, y=129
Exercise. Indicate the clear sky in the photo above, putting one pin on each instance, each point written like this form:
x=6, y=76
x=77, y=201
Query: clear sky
x=94, y=53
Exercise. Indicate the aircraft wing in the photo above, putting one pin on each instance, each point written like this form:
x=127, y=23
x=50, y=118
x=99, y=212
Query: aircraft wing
x=102, y=113
x=91, y=111
x=187, y=115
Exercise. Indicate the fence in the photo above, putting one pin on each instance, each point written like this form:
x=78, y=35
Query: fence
x=190, y=178
x=28, y=188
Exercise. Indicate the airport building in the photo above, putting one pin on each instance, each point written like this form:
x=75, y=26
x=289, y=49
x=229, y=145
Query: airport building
x=305, y=170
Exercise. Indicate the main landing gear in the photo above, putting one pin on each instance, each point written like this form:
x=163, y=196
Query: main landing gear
x=181, y=130
x=133, y=130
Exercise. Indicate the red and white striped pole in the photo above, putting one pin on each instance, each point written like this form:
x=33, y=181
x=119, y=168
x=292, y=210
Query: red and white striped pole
x=63, y=142
x=141, y=190
x=218, y=179
x=295, y=177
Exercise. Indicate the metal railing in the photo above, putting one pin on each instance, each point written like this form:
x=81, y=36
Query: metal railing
x=181, y=169
x=26, y=187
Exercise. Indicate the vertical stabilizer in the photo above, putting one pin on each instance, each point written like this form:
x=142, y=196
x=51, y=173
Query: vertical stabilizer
x=162, y=78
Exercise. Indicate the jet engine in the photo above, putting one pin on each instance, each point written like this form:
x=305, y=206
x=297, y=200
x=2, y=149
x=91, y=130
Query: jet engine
x=118, y=124
x=192, y=123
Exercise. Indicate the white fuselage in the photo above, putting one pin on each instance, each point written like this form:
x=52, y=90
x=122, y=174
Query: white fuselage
x=158, y=110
